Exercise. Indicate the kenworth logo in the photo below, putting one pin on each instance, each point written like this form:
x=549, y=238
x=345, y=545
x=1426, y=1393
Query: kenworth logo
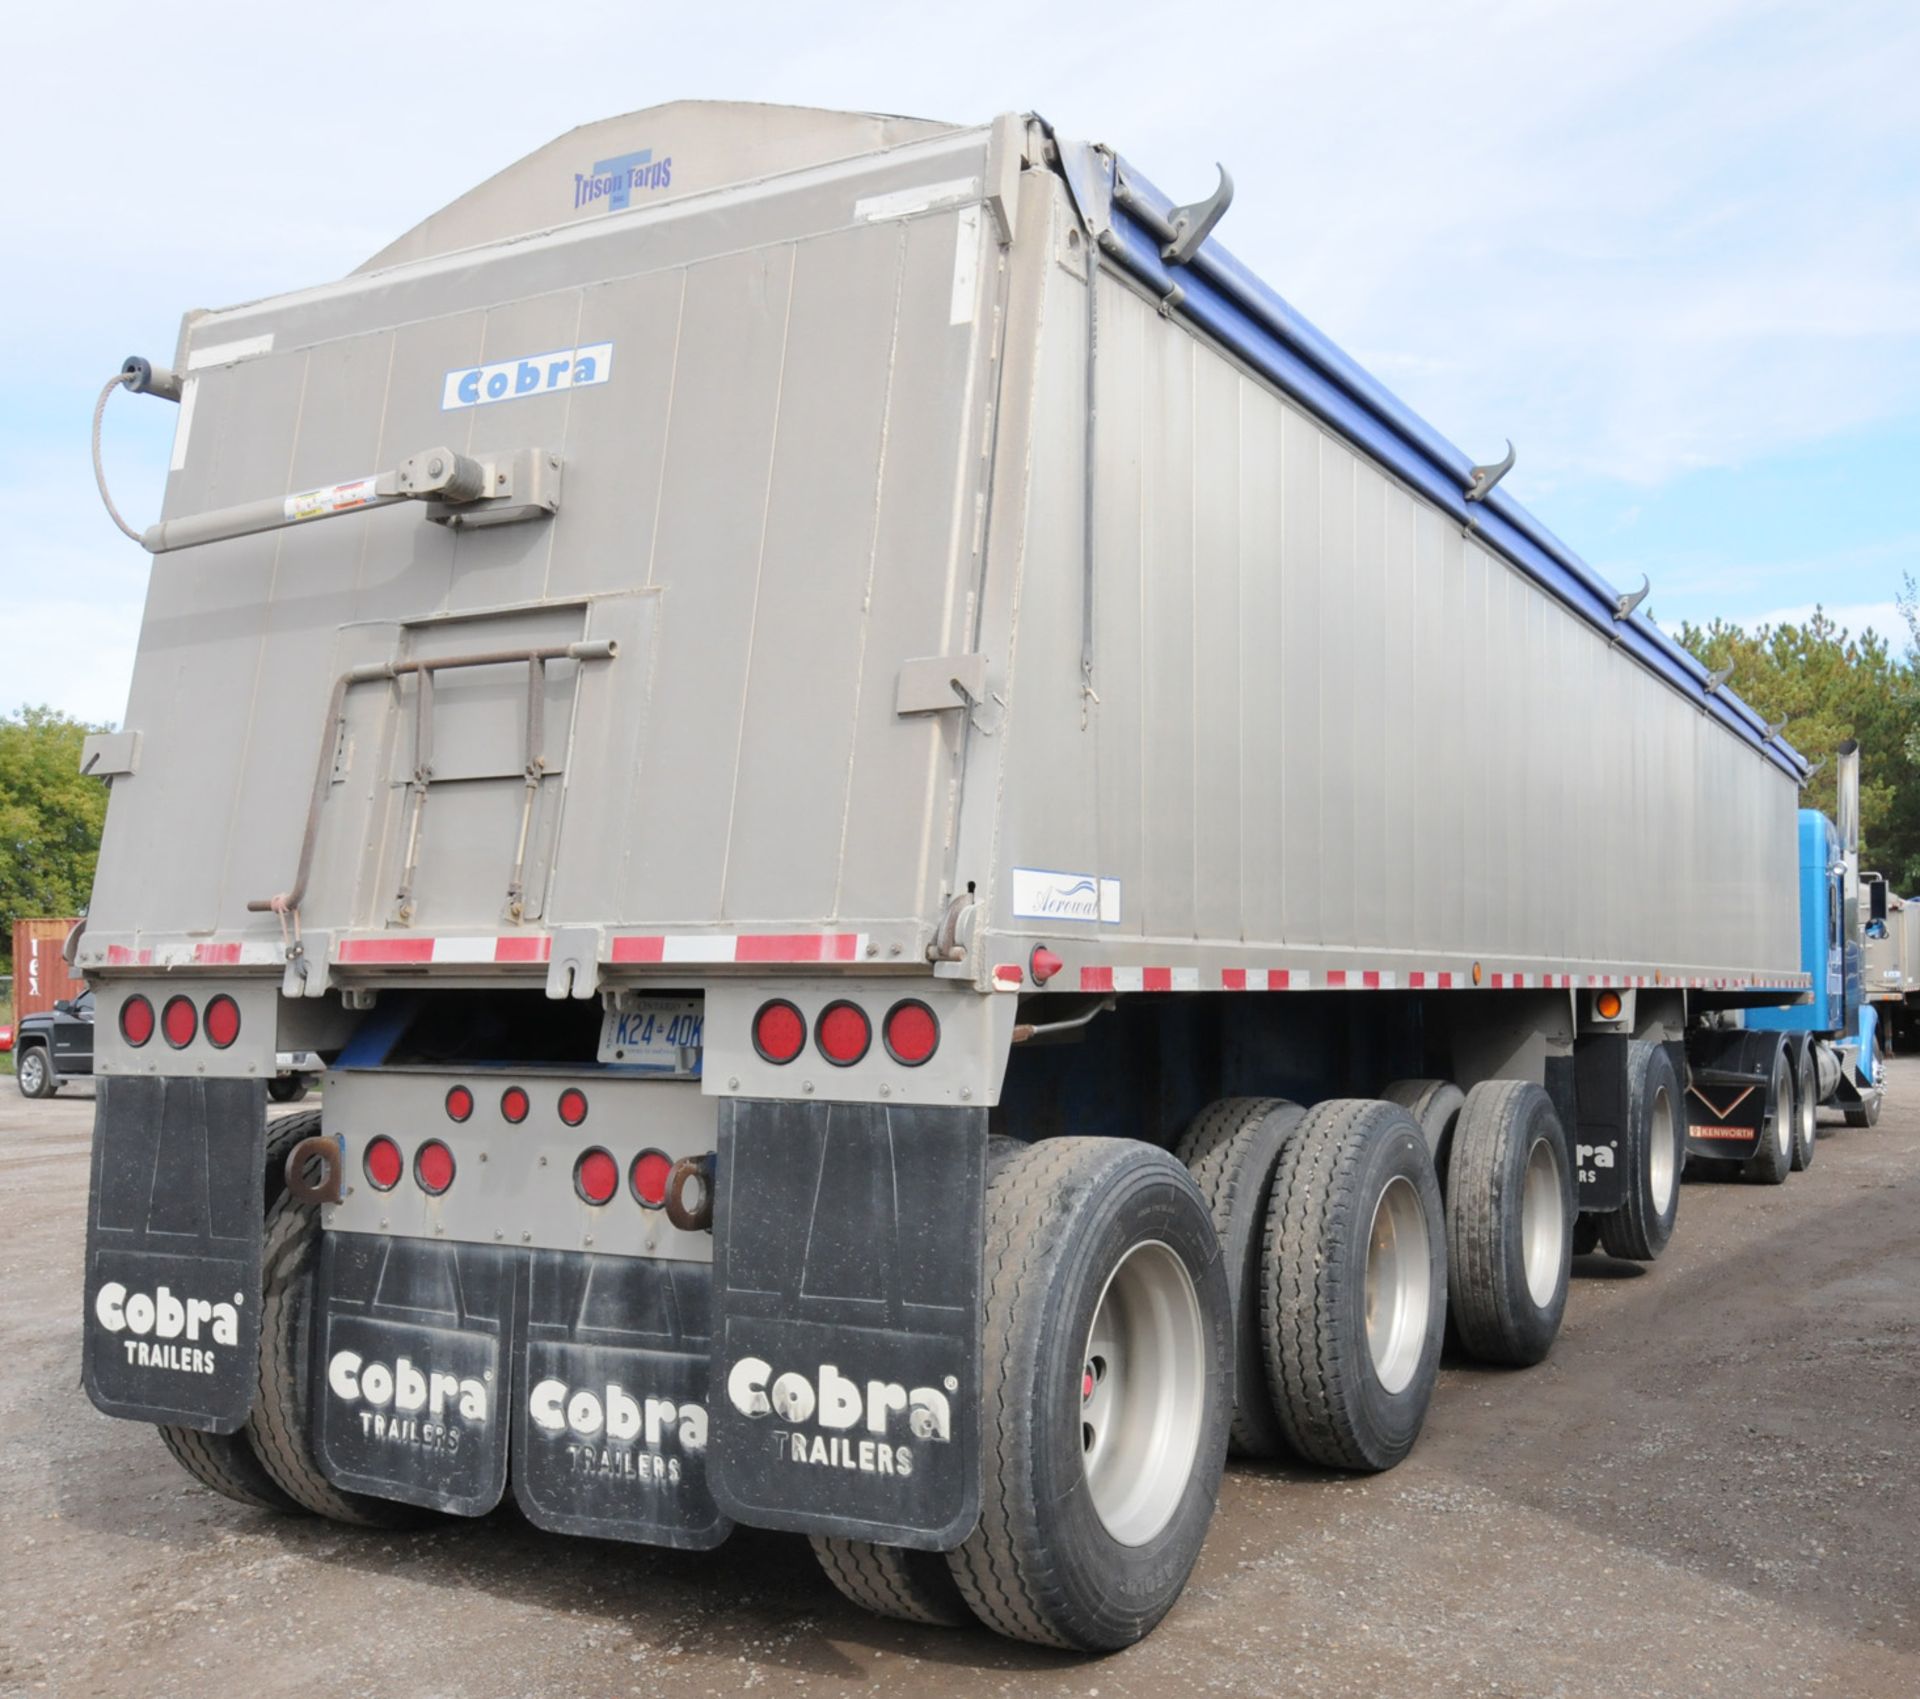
x=615, y=180
x=532, y=374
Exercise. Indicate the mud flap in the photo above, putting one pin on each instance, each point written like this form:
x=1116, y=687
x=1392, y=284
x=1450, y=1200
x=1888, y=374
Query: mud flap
x=846, y=1351
x=610, y=1379
x=409, y=1369
x=1591, y=1096
x=1728, y=1079
x=172, y=1327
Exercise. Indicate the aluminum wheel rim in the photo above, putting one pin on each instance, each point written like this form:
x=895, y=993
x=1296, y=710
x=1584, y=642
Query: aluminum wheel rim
x=1803, y=1110
x=1660, y=1163
x=1399, y=1284
x=1782, y=1123
x=1543, y=1229
x=32, y=1070
x=1143, y=1391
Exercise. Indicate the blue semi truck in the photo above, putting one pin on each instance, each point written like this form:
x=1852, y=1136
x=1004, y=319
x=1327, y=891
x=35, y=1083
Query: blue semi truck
x=1758, y=1082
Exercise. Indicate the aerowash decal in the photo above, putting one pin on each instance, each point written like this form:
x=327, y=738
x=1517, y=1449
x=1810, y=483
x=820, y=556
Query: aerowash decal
x=165, y=1332
x=531, y=374
x=1040, y=894
x=860, y=1430
x=616, y=181
x=405, y=1405
x=614, y=1434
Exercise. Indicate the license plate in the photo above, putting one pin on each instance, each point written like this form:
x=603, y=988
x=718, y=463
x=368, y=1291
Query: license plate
x=660, y=1034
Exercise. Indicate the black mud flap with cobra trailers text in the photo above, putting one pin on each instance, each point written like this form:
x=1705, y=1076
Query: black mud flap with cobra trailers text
x=172, y=1324
x=409, y=1367
x=847, y=1290
x=610, y=1405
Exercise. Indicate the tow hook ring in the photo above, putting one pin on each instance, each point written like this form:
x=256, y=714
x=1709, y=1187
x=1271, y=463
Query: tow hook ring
x=323, y=1188
x=691, y=1170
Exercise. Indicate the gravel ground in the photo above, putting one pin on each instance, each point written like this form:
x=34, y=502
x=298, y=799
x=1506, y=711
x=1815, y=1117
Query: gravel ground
x=1711, y=1488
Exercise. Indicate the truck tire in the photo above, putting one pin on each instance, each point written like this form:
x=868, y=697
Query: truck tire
x=1656, y=1151
x=1806, y=1110
x=1230, y=1150
x=227, y=1462
x=287, y=1088
x=1510, y=1213
x=910, y=1586
x=1867, y=1115
x=1772, y=1158
x=1435, y=1104
x=33, y=1073
x=1586, y=1234
x=280, y=1425
x=1106, y=1392
x=1353, y=1294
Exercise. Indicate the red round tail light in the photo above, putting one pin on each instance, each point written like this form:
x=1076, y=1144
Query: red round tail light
x=573, y=1110
x=382, y=1164
x=136, y=1021
x=596, y=1176
x=459, y=1103
x=911, y=1032
x=514, y=1104
x=179, y=1022
x=844, y=1033
x=779, y=1032
x=648, y=1176
x=433, y=1167
x=223, y=1021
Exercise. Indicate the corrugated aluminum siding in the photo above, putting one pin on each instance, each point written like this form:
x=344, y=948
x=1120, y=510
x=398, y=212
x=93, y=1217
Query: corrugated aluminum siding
x=1333, y=728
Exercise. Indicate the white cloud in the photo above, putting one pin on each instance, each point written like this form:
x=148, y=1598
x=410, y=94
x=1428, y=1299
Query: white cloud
x=1883, y=618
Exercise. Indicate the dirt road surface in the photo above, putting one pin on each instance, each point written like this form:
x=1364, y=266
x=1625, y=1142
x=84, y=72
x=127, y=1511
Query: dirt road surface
x=1713, y=1487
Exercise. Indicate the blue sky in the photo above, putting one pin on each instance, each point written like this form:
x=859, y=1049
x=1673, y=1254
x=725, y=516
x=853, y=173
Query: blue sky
x=1671, y=249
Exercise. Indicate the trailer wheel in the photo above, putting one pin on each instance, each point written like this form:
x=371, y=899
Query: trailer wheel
x=287, y=1088
x=1353, y=1294
x=1656, y=1150
x=1510, y=1209
x=227, y=1462
x=1772, y=1158
x=280, y=1424
x=1806, y=1112
x=1435, y=1104
x=1230, y=1150
x=910, y=1586
x=1106, y=1391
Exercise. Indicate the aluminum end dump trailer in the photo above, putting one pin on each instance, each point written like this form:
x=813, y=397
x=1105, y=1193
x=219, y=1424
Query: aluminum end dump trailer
x=926, y=841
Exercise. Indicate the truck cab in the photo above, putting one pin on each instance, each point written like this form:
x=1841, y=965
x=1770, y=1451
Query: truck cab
x=1838, y=1022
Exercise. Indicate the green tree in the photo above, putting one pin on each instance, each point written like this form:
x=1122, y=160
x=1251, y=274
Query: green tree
x=50, y=818
x=1829, y=685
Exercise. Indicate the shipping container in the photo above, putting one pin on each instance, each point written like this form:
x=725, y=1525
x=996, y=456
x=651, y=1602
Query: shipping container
x=40, y=974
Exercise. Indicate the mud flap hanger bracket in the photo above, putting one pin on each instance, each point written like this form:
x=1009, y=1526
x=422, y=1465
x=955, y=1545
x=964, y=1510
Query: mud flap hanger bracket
x=459, y=490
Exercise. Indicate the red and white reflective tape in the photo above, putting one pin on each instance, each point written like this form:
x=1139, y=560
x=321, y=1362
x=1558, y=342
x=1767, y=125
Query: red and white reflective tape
x=1117, y=978
x=203, y=952
x=486, y=951
x=749, y=947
